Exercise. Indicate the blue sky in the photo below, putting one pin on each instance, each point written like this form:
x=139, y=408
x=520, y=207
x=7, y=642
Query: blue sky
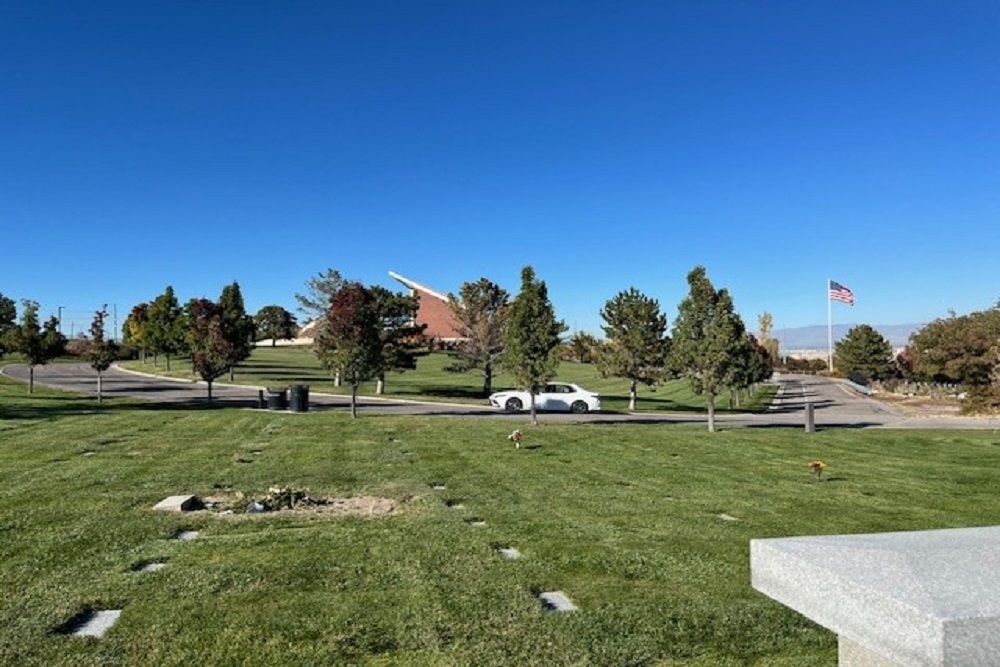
x=608, y=144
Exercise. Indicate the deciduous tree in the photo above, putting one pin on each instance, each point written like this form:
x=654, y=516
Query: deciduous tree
x=957, y=349
x=8, y=320
x=637, y=343
x=531, y=337
x=349, y=341
x=480, y=309
x=165, y=327
x=135, y=330
x=275, y=323
x=707, y=338
x=765, y=323
x=36, y=344
x=101, y=351
x=210, y=347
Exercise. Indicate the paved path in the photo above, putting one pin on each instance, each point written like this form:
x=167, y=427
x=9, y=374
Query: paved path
x=834, y=404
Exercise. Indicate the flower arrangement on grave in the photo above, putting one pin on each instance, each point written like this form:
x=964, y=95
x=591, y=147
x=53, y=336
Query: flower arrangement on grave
x=817, y=468
x=515, y=437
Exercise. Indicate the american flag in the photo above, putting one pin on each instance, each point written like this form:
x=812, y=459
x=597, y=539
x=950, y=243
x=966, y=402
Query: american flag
x=840, y=293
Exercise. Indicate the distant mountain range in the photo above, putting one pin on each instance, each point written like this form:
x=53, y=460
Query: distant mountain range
x=815, y=337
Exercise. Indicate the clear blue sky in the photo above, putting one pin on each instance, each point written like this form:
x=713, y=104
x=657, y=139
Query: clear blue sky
x=610, y=144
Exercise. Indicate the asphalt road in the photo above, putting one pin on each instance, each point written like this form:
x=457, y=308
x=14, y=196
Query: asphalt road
x=834, y=404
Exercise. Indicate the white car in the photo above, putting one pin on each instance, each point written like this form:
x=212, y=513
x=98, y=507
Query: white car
x=555, y=396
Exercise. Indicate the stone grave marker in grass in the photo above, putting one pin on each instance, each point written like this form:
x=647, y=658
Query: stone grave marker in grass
x=556, y=601
x=186, y=535
x=180, y=504
x=509, y=552
x=148, y=566
x=90, y=623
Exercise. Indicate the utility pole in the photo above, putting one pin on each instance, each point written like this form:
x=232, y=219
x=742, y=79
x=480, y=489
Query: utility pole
x=60, y=318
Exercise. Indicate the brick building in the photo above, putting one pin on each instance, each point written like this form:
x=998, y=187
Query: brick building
x=432, y=311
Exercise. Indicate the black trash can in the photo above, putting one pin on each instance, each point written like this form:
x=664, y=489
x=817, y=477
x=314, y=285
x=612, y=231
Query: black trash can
x=298, y=398
x=276, y=399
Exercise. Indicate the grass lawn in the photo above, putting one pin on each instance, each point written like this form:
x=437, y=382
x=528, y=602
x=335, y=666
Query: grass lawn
x=625, y=519
x=281, y=366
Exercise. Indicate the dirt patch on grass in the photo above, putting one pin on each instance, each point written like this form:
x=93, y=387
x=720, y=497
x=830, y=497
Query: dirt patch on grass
x=358, y=506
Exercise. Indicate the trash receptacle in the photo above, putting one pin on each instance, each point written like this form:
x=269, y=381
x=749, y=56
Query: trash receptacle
x=298, y=398
x=276, y=399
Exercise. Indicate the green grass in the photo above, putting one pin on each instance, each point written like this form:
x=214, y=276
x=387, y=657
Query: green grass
x=623, y=518
x=281, y=366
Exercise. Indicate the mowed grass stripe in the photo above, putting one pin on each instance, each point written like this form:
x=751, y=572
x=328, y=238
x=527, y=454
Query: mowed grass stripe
x=622, y=518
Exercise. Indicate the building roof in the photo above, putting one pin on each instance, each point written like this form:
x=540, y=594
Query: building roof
x=417, y=286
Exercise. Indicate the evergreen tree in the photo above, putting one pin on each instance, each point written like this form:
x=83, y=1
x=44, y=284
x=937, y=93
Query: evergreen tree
x=209, y=344
x=349, y=342
x=275, y=323
x=101, y=351
x=583, y=348
x=480, y=309
x=707, y=339
x=314, y=304
x=37, y=345
x=237, y=326
x=531, y=337
x=864, y=351
x=401, y=337
x=637, y=342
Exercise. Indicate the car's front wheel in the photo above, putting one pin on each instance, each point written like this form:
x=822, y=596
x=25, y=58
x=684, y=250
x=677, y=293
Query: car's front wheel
x=578, y=407
x=513, y=405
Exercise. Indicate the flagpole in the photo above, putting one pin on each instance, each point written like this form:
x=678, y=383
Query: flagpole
x=829, y=327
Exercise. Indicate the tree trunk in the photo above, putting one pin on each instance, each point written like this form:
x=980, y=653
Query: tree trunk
x=209, y=391
x=380, y=386
x=274, y=341
x=100, y=387
x=487, y=381
x=354, y=399
x=711, y=413
x=534, y=410
x=168, y=363
x=232, y=372
x=631, y=395
x=336, y=379
x=31, y=379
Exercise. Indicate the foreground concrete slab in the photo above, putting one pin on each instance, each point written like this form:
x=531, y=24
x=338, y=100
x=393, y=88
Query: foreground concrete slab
x=922, y=599
x=179, y=504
